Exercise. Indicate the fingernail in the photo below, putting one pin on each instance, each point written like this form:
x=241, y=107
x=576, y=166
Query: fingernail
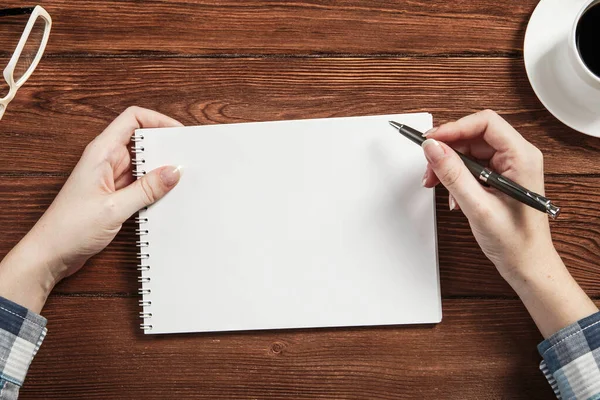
x=171, y=175
x=433, y=151
x=451, y=202
x=424, y=179
x=429, y=132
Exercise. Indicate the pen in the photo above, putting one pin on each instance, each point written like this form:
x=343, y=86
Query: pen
x=490, y=178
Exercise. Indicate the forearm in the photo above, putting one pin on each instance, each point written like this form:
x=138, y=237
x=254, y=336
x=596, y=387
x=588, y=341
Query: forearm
x=26, y=280
x=550, y=294
x=25, y=273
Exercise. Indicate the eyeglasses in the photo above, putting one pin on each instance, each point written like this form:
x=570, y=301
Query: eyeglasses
x=29, y=50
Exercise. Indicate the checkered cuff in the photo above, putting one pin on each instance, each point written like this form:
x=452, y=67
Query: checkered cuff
x=21, y=334
x=572, y=359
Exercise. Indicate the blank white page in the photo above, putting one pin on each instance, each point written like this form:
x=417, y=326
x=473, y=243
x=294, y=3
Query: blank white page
x=291, y=224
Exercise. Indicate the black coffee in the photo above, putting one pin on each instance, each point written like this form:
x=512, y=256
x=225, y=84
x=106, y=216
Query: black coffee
x=587, y=37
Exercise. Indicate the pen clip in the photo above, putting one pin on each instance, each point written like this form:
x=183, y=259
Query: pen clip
x=551, y=209
x=539, y=198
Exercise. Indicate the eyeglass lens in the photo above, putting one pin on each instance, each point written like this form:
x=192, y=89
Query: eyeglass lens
x=11, y=29
x=31, y=49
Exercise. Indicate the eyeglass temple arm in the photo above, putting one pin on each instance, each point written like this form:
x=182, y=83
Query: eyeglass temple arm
x=7, y=12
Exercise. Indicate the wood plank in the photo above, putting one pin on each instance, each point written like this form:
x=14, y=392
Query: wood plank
x=464, y=269
x=204, y=27
x=482, y=349
x=68, y=102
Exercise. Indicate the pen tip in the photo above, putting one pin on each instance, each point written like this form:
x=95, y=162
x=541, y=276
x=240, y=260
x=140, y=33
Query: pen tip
x=395, y=124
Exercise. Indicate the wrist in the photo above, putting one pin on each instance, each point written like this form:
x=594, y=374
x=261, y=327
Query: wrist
x=550, y=293
x=29, y=272
x=531, y=265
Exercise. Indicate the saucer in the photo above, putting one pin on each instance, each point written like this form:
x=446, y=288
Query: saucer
x=546, y=57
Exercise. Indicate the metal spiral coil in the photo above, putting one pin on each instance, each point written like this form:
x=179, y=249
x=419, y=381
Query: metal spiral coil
x=137, y=160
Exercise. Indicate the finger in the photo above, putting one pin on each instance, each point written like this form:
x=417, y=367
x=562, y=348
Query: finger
x=477, y=148
x=487, y=125
x=134, y=118
x=124, y=180
x=454, y=175
x=145, y=191
x=429, y=178
x=452, y=203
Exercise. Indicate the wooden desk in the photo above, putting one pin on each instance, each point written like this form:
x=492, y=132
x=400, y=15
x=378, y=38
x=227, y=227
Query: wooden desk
x=207, y=62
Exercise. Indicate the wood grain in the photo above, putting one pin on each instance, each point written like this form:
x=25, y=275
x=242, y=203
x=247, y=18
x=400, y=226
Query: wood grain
x=464, y=269
x=207, y=62
x=68, y=102
x=482, y=349
x=292, y=27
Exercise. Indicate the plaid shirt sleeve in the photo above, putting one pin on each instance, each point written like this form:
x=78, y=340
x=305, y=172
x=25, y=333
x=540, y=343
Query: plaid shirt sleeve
x=572, y=360
x=21, y=334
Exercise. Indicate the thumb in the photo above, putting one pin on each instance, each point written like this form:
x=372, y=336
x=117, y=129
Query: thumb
x=454, y=175
x=145, y=191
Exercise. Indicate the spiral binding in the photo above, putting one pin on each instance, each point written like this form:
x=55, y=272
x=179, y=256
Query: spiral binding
x=137, y=162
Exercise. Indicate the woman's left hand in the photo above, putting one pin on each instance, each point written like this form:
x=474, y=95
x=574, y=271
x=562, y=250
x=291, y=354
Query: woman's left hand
x=98, y=197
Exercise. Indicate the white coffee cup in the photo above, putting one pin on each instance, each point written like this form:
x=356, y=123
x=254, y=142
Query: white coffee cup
x=557, y=73
x=574, y=56
x=579, y=83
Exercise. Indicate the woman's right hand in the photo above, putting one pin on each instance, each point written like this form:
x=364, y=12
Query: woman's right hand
x=513, y=236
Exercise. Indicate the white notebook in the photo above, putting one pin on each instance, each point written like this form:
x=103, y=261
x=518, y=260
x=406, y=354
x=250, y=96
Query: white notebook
x=290, y=224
